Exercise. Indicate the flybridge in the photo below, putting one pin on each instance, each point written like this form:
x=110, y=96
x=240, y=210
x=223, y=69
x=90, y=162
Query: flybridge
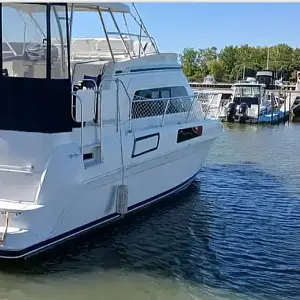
x=39, y=57
x=52, y=24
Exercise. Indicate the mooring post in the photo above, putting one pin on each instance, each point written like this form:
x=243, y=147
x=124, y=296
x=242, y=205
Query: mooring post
x=272, y=107
x=284, y=112
x=290, y=100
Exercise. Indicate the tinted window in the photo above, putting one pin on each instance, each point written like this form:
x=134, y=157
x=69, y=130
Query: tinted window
x=165, y=93
x=142, y=107
x=155, y=94
x=178, y=91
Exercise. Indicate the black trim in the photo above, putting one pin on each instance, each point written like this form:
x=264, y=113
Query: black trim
x=80, y=230
x=12, y=254
x=185, y=134
x=148, y=69
x=1, y=44
x=144, y=138
x=155, y=69
x=68, y=42
x=88, y=156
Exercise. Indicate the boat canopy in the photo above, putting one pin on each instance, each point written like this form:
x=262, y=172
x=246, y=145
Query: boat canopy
x=113, y=7
x=39, y=57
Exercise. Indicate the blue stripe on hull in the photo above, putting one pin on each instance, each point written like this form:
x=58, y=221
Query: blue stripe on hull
x=42, y=246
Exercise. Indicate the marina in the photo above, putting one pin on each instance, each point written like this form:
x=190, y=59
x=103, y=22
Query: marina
x=248, y=101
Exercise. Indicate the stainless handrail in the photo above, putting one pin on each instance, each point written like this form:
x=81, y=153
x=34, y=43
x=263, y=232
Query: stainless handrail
x=208, y=107
x=117, y=81
x=98, y=90
x=81, y=121
x=130, y=104
x=295, y=106
x=169, y=100
x=165, y=112
x=128, y=34
x=192, y=103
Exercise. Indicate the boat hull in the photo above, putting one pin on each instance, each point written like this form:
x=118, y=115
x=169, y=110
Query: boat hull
x=45, y=245
x=275, y=118
x=168, y=175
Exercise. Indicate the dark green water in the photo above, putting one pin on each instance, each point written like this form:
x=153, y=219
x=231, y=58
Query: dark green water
x=234, y=234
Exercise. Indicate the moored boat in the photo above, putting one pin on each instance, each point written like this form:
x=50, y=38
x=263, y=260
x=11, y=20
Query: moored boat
x=91, y=129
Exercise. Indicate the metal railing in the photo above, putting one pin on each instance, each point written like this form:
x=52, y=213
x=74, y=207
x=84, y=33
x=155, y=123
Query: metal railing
x=81, y=122
x=206, y=100
x=160, y=111
x=118, y=82
x=195, y=109
x=108, y=49
x=98, y=108
x=294, y=106
x=177, y=109
x=129, y=36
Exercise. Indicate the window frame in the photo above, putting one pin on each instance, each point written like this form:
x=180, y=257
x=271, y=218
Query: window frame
x=142, y=101
x=48, y=33
x=160, y=89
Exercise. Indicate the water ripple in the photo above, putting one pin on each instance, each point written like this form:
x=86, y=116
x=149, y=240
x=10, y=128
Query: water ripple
x=234, y=234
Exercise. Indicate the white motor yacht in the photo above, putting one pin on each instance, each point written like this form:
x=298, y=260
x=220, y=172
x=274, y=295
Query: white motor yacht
x=91, y=129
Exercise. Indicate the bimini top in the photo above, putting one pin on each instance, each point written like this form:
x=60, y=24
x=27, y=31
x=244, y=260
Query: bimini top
x=113, y=7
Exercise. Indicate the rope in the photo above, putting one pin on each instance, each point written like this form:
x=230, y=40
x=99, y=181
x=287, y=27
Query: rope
x=120, y=136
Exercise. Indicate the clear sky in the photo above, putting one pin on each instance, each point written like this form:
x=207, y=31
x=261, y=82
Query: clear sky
x=179, y=25
x=176, y=26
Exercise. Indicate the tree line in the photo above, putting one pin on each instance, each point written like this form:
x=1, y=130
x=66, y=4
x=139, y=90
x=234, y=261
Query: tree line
x=231, y=62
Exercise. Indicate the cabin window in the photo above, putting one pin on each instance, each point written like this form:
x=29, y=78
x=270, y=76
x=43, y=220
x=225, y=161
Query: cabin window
x=173, y=100
x=178, y=91
x=155, y=94
x=165, y=93
x=247, y=91
x=25, y=38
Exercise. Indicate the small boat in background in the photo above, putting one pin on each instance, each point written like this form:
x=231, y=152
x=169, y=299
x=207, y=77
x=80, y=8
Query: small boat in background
x=275, y=111
x=251, y=103
x=247, y=101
